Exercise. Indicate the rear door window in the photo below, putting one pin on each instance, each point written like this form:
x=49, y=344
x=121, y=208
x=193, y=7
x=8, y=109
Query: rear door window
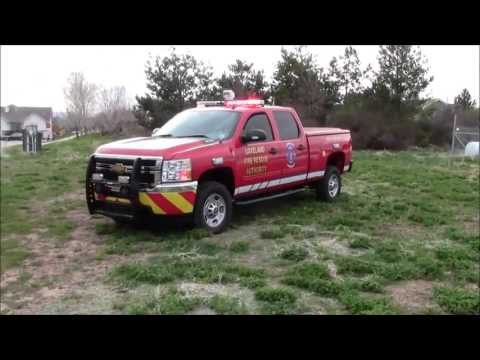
x=287, y=125
x=259, y=122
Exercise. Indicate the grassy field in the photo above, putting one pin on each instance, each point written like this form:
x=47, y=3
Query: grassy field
x=403, y=238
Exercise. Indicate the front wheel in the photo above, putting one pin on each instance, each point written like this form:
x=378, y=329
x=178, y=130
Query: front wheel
x=330, y=186
x=213, y=207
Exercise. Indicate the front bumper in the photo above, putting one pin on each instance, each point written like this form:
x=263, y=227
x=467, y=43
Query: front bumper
x=129, y=200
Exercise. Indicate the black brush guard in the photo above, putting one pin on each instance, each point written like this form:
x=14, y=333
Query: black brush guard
x=96, y=207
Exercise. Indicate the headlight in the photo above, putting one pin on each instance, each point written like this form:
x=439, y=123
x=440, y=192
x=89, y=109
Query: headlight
x=177, y=170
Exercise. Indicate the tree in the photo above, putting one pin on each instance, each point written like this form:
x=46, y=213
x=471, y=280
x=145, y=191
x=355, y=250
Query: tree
x=464, y=100
x=347, y=73
x=299, y=82
x=244, y=80
x=114, y=113
x=403, y=72
x=80, y=100
x=174, y=82
x=112, y=99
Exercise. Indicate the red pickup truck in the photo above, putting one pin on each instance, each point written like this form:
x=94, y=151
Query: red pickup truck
x=207, y=158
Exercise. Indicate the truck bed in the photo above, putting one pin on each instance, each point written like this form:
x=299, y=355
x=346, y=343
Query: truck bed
x=317, y=131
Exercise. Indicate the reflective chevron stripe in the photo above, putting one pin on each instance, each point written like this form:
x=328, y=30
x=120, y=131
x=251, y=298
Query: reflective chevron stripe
x=169, y=203
x=277, y=182
x=179, y=201
x=147, y=201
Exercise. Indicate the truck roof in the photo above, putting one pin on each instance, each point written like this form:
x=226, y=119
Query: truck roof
x=242, y=108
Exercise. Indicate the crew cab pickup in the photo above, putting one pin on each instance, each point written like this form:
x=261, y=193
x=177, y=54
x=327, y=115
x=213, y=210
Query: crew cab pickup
x=206, y=159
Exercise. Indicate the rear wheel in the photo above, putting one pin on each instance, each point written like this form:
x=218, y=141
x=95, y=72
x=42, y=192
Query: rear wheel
x=328, y=189
x=213, y=207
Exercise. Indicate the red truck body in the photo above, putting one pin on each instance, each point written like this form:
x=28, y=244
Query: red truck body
x=247, y=170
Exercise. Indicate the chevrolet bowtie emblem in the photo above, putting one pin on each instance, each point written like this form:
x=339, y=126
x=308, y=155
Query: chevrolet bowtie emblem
x=119, y=168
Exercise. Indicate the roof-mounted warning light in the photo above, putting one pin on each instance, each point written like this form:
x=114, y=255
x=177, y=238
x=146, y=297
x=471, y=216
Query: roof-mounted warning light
x=247, y=102
x=228, y=95
x=229, y=101
x=210, y=103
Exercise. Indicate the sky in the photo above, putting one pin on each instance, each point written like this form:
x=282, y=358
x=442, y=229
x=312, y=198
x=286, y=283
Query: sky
x=35, y=75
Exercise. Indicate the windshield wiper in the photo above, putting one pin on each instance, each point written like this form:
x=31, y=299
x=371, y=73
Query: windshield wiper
x=164, y=135
x=194, y=135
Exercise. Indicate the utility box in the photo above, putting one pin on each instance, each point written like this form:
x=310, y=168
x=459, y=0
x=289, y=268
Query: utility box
x=32, y=139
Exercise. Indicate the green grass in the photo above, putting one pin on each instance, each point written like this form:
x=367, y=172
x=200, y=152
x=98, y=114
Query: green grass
x=224, y=305
x=205, y=270
x=61, y=228
x=313, y=277
x=28, y=181
x=276, y=301
x=272, y=234
x=239, y=247
x=457, y=301
x=373, y=284
x=294, y=253
x=359, y=304
x=12, y=254
x=402, y=216
x=360, y=243
x=172, y=303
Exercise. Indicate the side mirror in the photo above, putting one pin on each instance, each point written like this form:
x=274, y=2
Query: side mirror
x=155, y=131
x=254, y=135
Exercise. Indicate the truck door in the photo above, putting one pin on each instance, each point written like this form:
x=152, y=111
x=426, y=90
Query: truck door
x=258, y=162
x=293, y=147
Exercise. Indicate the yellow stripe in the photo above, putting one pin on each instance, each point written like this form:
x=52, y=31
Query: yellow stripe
x=179, y=201
x=146, y=200
x=117, y=199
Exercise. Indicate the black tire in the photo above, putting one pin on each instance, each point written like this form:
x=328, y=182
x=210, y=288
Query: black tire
x=205, y=191
x=323, y=192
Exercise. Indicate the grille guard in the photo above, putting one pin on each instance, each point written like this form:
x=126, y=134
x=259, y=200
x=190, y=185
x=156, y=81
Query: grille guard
x=135, y=189
x=133, y=186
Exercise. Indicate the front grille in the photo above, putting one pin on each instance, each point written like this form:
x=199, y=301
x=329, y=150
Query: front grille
x=150, y=169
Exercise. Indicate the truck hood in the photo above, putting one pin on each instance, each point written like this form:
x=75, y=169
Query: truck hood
x=153, y=146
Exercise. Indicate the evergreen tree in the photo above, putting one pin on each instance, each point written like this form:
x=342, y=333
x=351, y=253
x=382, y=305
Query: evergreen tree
x=464, y=100
x=347, y=73
x=403, y=72
x=244, y=80
x=174, y=82
x=299, y=82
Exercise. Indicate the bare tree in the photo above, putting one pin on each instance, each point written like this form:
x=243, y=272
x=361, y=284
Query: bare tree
x=80, y=100
x=113, y=110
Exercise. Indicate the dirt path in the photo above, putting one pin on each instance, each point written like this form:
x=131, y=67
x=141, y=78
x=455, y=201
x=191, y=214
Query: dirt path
x=55, y=269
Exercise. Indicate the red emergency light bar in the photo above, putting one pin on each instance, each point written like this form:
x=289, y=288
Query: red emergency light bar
x=229, y=101
x=232, y=103
x=248, y=102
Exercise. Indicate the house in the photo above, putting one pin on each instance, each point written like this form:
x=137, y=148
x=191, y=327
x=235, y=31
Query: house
x=14, y=119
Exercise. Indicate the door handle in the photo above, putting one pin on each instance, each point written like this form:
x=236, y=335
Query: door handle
x=301, y=147
x=273, y=151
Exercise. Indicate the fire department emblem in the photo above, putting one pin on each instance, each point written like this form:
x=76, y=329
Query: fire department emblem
x=291, y=155
x=119, y=168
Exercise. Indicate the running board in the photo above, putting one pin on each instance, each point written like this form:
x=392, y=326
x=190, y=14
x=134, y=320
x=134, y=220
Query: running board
x=286, y=193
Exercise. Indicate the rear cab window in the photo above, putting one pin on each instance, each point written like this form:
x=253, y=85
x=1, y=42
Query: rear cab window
x=287, y=125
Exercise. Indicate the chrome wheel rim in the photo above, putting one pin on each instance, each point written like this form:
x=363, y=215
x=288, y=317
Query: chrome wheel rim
x=214, y=210
x=333, y=185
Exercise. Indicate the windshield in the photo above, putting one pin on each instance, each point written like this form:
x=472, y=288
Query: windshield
x=216, y=124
